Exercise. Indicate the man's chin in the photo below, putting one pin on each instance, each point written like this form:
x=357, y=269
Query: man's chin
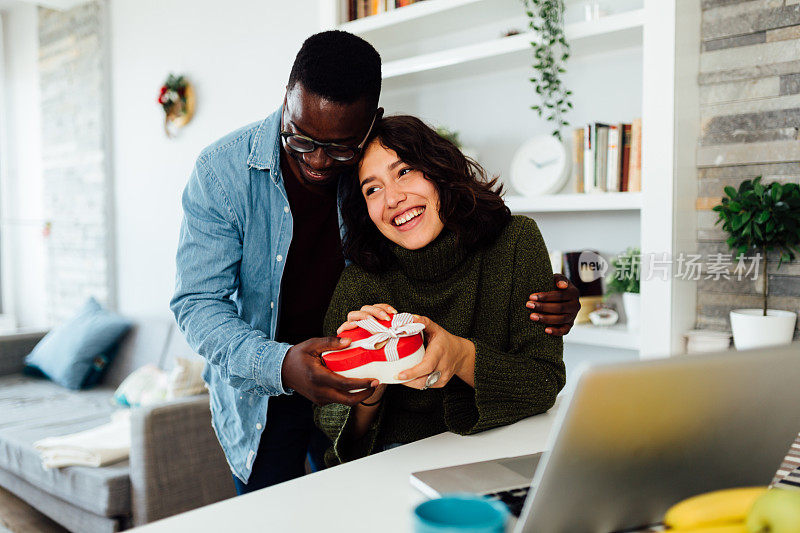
x=324, y=181
x=327, y=182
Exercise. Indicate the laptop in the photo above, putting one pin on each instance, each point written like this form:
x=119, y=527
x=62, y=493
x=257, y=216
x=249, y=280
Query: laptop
x=634, y=438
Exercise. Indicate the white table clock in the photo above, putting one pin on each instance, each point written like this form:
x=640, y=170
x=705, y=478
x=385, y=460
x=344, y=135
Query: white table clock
x=540, y=166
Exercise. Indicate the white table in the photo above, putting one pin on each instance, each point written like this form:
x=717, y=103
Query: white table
x=371, y=494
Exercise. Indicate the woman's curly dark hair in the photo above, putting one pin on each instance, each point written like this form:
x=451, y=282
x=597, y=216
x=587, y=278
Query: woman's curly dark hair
x=470, y=205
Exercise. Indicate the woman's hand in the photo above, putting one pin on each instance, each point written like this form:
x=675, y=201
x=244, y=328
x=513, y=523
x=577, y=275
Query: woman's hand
x=365, y=414
x=446, y=353
x=380, y=389
x=377, y=311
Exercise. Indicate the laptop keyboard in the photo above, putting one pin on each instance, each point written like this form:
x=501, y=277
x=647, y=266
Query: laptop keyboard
x=514, y=499
x=792, y=481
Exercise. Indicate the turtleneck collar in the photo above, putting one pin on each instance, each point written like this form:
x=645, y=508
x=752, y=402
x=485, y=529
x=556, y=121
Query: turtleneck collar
x=434, y=260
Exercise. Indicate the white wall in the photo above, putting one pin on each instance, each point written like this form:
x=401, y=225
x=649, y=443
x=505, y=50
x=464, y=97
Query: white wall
x=238, y=55
x=23, y=251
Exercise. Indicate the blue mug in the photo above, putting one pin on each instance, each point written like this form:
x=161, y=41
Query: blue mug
x=460, y=513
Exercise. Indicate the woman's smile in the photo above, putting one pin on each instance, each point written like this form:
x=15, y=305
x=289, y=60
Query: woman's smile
x=409, y=219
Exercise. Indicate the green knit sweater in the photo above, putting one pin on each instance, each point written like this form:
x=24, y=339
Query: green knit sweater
x=479, y=296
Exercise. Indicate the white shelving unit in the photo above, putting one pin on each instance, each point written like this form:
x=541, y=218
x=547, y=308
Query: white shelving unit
x=435, y=12
x=445, y=60
x=612, y=32
x=617, y=336
x=566, y=203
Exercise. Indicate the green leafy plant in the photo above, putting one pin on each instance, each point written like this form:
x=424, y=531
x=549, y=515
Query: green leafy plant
x=550, y=52
x=762, y=218
x=450, y=135
x=626, y=274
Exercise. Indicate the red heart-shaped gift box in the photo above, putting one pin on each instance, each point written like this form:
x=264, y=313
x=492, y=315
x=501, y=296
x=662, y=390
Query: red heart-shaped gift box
x=380, y=349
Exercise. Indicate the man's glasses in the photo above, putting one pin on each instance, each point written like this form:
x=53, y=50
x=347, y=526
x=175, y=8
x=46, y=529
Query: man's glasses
x=339, y=152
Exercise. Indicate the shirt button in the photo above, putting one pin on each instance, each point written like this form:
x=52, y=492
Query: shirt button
x=272, y=305
x=259, y=426
x=279, y=258
x=286, y=209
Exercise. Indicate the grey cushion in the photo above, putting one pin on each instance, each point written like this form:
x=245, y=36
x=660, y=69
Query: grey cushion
x=14, y=348
x=74, y=519
x=144, y=344
x=34, y=408
x=174, y=447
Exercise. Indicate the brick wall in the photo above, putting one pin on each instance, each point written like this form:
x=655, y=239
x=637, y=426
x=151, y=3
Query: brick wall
x=77, y=183
x=750, y=119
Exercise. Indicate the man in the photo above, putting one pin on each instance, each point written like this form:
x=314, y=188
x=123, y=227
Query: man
x=260, y=254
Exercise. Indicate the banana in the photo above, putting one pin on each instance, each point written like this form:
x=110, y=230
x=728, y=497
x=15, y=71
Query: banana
x=738, y=527
x=716, y=508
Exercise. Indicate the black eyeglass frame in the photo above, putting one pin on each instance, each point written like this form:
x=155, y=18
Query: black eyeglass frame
x=286, y=135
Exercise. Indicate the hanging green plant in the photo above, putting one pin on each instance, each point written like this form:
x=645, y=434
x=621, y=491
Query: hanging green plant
x=550, y=52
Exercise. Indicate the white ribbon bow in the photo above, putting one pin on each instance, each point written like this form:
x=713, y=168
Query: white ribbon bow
x=402, y=326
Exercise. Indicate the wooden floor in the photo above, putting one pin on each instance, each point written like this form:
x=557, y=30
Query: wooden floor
x=17, y=516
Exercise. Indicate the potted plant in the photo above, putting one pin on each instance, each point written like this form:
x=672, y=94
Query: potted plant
x=625, y=280
x=455, y=138
x=761, y=218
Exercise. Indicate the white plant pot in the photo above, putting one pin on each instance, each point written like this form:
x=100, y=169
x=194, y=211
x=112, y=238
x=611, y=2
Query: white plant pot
x=753, y=330
x=632, y=302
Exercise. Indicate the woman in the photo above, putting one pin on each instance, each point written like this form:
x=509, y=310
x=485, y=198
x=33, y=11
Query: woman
x=429, y=235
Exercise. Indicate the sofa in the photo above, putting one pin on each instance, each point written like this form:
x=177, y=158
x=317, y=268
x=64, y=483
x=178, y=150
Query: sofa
x=175, y=463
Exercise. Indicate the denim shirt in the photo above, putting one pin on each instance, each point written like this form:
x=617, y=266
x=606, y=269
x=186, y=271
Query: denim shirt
x=236, y=231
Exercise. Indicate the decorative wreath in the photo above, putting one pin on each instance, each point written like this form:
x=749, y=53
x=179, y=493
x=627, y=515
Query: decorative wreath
x=177, y=100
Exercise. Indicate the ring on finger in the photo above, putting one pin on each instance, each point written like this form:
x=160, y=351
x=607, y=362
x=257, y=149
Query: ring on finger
x=433, y=377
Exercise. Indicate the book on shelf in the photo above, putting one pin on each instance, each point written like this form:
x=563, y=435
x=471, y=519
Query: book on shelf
x=626, y=157
x=577, y=158
x=610, y=159
x=588, y=157
x=635, y=178
x=357, y=9
x=595, y=145
x=614, y=153
x=601, y=158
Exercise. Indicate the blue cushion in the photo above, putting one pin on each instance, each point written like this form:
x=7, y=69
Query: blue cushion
x=76, y=353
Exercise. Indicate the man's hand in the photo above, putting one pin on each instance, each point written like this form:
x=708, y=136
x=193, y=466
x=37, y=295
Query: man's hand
x=557, y=309
x=304, y=371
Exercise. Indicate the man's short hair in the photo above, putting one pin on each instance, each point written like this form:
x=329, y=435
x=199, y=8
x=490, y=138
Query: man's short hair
x=338, y=66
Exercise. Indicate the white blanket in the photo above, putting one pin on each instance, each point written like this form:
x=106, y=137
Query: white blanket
x=98, y=446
